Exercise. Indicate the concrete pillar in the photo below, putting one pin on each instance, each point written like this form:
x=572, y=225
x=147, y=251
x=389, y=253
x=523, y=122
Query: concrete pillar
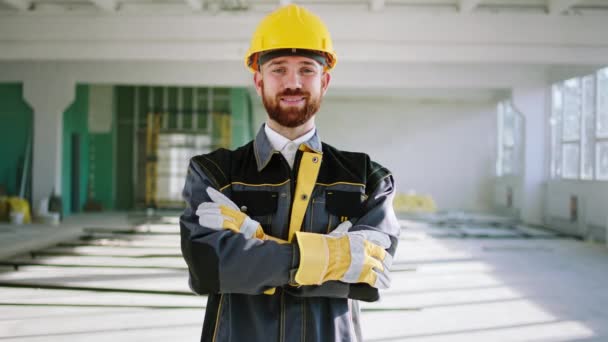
x=533, y=103
x=49, y=93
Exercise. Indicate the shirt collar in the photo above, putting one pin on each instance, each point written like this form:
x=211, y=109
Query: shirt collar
x=267, y=141
x=278, y=141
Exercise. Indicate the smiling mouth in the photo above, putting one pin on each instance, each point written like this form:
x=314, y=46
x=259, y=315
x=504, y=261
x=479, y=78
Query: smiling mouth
x=291, y=100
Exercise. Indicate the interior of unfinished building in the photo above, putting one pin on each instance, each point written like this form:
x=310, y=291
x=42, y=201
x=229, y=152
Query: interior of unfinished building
x=492, y=116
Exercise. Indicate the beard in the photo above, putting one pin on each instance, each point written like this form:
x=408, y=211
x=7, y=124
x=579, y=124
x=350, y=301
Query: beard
x=292, y=116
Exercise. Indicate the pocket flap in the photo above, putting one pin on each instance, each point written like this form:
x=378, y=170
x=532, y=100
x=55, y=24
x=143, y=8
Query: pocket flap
x=344, y=203
x=258, y=203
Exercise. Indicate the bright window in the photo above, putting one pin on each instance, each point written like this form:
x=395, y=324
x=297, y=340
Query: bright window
x=602, y=117
x=556, y=131
x=579, y=128
x=589, y=107
x=510, y=140
x=602, y=125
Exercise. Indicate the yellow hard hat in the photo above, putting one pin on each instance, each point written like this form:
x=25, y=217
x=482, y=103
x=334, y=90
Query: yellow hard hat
x=291, y=27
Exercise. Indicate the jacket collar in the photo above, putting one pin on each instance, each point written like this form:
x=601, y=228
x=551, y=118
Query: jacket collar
x=263, y=149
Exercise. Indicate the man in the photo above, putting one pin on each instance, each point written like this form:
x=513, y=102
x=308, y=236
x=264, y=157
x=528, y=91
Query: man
x=285, y=234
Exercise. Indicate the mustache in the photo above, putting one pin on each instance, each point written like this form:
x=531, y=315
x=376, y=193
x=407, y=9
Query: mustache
x=294, y=92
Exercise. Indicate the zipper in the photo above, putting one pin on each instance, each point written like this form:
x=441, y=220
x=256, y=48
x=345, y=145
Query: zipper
x=292, y=189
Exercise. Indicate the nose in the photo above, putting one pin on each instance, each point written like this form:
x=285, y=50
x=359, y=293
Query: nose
x=292, y=80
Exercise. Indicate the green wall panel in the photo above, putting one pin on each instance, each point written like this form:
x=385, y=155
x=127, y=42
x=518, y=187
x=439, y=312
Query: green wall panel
x=75, y=121
x=101, y=149
x=112, y=182
x=15, y=130
x=144, y=93
x=102, y=163
x=172, y=107
x=187, y=98
x=202, y=105
x=124, y=98
x=234, y=101
x=158, y=94
x=241, y=117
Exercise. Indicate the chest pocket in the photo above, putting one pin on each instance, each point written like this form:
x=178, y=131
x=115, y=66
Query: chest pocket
x=259, y=205
x=341, y=206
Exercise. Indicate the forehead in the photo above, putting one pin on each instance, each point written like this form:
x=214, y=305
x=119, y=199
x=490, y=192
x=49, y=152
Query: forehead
x=292, y=61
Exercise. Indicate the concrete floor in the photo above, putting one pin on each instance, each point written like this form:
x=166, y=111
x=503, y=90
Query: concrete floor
x=466, y=281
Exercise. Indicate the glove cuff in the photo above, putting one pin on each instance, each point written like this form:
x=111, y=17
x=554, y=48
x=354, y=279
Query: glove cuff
x=249, y=227
x=314, y=258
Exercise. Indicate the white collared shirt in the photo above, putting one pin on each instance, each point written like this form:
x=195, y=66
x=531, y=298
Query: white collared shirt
x=288, y=148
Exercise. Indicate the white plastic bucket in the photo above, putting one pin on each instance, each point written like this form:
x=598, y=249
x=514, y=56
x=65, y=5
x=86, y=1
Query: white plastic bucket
x=16, y=217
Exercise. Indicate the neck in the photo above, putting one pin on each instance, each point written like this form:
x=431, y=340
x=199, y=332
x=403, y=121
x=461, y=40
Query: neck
x=291, y=133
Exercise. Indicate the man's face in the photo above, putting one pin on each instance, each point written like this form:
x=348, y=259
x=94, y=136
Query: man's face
x=291, y=88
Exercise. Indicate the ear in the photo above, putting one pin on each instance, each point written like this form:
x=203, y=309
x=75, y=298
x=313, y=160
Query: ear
x=258, y=82
x=325, y=79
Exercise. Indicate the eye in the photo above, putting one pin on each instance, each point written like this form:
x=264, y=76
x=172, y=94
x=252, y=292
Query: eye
x=278, y=71
x=307, y=71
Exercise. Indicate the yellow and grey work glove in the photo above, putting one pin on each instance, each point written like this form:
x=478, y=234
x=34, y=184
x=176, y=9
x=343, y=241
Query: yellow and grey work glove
x=351, y=257
x=222, y=213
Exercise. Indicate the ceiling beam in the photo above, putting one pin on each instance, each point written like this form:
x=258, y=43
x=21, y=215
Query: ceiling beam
x=557, y=7
x=106, y=5
x=196, y=5
x=564, y=32
x=376, y=5
x=454, y=38
x=21, y=5
x=467, y=6
x=234, y=74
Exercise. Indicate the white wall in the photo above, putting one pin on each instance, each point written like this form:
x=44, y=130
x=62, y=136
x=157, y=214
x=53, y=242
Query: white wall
x=592, y=213
x=502, y=186
x=550, y=197
x=444, y=148
x=533, y=102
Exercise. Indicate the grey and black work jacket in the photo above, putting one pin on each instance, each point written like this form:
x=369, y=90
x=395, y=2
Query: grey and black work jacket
x=234, y=271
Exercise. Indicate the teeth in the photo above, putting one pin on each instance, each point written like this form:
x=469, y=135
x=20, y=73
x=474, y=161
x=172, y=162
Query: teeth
x=292, y=100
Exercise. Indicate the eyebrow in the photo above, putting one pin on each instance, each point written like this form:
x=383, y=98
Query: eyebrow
x=281, y=62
